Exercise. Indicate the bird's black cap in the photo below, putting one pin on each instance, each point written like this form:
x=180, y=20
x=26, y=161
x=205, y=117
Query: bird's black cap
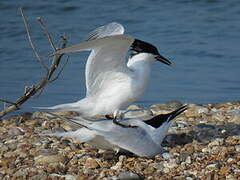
x=139, y=46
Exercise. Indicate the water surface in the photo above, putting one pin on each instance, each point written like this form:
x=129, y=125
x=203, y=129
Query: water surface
x=201, y=37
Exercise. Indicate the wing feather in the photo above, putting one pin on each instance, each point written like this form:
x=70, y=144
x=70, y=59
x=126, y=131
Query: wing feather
x=110, y=29
x=109, y=50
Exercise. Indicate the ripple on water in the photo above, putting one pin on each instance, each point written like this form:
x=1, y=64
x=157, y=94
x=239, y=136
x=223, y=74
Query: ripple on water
x=200, y=37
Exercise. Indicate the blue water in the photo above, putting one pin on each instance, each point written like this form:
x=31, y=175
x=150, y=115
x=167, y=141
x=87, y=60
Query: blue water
x=201, y=37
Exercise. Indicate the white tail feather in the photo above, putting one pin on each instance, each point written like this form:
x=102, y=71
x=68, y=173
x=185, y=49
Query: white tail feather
x=83, y=107
x=83, y=134
x=62, y=107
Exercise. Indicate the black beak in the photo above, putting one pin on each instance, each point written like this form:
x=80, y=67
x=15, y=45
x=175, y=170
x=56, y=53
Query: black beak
x=163, y=60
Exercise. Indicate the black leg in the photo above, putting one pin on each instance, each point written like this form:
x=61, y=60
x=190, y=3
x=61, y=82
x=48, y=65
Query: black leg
x=115, y=121
x=109, y=117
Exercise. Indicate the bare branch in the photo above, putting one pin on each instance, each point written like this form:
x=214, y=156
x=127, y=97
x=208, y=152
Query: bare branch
x=39, y=19
x=61, y=70
x=30, y=41
x=32, y=90
x=39, y=92
x=57, y=58
x=8, y=102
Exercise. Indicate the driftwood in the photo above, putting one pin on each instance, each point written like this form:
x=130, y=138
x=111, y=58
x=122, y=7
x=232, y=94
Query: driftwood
x=32, y=90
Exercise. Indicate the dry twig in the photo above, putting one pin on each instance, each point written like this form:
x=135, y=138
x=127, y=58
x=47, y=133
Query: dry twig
x=30, y=40
x=35, y=88
x=46, y=33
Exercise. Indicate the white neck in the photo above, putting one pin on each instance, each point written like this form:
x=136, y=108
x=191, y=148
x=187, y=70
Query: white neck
x=140, y=68
x=146, y=57
x=141, y=63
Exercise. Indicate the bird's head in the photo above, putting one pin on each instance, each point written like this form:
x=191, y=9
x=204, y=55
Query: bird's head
x=150, y=50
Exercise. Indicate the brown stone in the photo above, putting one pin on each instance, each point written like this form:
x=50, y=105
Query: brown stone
x=91, y=163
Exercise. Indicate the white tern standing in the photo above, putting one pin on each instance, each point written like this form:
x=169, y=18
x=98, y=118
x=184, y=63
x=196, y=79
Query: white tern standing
x=111, y=82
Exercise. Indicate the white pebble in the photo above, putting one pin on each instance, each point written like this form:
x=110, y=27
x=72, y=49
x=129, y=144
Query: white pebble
x=237, y=147
x=166, y=155
x=188, y=160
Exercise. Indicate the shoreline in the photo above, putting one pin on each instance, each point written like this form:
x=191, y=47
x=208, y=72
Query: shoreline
x=204, y=142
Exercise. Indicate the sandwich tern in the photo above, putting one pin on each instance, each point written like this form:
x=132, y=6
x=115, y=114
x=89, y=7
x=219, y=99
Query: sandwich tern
x=144, y=141
x=112, y=83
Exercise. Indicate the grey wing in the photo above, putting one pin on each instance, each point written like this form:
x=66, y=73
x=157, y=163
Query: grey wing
x=108, y=57
x=110, y=29
x=135, y=140
x=109, y=48
x=105, y=61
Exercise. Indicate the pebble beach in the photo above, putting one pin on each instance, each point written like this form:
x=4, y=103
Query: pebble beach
x=203, y=143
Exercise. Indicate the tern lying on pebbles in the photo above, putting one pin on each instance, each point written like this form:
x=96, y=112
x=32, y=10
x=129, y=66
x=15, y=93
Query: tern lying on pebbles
x=144, y=140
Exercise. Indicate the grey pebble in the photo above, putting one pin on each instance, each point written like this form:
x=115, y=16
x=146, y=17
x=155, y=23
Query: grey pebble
x=128, y=175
